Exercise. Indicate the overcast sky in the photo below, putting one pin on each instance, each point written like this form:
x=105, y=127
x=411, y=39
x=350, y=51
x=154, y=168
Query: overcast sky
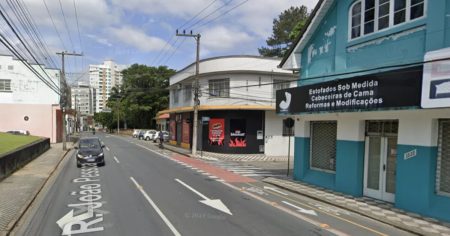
x=143, y=31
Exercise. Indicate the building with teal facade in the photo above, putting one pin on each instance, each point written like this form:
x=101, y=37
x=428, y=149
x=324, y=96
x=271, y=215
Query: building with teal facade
x=372, y=106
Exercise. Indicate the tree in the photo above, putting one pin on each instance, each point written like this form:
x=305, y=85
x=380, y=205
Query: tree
x=285, y=30
x=143, y=93
x=105, y=119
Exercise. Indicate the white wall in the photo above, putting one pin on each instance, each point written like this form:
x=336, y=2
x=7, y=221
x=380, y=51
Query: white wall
x=229, y=64
x=240, y=94
x=26, y=87
x=275, y=144
x=416, y=127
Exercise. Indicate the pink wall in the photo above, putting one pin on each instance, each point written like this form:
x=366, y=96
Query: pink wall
x=41, y=120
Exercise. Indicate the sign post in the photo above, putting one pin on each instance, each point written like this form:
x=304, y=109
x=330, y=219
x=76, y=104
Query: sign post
x=289, y=123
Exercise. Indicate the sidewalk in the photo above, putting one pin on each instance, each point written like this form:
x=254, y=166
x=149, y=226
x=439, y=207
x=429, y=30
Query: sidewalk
x=375, y=209
x=378, y=210
x=19, y=190
x=228, y=157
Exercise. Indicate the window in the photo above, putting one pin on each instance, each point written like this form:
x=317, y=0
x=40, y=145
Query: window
x=356, y=20
x=369, y=16
x=175, y=96
x=417, y=9
x=280, y=84
x=10, y=67
x=187, y=92
x=5, y=85
x=323, y=145
x=286, y=130
x=219, y=88
x=443, y=166
x=383, y=14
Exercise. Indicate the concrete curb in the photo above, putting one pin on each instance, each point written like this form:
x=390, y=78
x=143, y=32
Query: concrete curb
x=13, y=224
x=273, y=181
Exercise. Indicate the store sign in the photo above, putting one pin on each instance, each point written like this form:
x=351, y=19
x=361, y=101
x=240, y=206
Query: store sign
x=436, y=80
x=216, y=131
x=385, y=90
x=237, y=133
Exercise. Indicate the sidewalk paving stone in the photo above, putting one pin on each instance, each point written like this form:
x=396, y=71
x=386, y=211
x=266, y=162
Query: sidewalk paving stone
x=20, y=189
x=375, y=209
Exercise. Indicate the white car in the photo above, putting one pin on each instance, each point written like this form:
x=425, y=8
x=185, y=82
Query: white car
x=165, y=136
x=149, y=134
x=136, y=133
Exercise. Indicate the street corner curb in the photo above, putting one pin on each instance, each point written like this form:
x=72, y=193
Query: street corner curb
x=274, y=181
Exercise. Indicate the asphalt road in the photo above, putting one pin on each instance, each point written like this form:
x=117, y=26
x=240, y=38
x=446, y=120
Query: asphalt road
x=141, y=192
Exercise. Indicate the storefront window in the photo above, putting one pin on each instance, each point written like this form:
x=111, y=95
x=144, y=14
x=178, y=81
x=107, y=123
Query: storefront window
x=323, y=145
x=443, y=167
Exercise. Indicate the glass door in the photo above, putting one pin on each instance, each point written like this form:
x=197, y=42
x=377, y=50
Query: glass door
x=380, y=167
x=389, y=169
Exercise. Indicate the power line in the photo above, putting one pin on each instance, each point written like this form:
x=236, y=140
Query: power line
x=226, y=12
x=176, y=49
x=54, y=25
x=79, y=34
x=25, y=45
x=65, y=22
x=198, y=21
x=10, y=47
x=200, y=12
x=35, y=32
x=165, y=48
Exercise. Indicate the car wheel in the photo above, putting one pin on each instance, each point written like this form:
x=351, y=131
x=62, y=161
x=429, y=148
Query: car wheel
x=78, y=165
x=146, y=139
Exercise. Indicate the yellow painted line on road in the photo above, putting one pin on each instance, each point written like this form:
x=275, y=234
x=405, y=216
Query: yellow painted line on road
x=324, y=212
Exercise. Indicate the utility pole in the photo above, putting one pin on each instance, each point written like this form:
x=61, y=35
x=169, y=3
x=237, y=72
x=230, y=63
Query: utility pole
x=118, y=116
x=196, y=89
x=63, y=90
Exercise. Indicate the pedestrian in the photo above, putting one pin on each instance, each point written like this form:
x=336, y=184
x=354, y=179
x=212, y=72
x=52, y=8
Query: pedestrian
x=161, y=139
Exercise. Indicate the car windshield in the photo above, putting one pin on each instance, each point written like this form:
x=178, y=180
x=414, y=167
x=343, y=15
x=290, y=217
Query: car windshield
x=89, y=143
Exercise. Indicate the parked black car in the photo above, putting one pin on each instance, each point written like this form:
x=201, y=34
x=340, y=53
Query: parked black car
x=90, y=151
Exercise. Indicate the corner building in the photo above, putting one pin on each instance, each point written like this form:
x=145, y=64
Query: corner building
x=372, y=103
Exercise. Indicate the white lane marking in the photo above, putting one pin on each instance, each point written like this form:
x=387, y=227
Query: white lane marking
x=276, y=190
x=163, y=217
x=309, y=212
x=117, y=160
x=214, y=203
x=107, y=148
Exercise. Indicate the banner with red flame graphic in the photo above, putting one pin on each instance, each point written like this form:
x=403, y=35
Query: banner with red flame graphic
x=237, y=133
x=216, y=131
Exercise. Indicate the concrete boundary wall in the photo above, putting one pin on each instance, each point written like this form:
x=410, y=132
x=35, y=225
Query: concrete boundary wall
x=18, y=158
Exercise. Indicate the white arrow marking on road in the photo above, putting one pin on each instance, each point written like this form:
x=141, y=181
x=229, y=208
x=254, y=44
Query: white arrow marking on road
x=309, y=212
x=214, y=203
x=276, y=190
x=69, y=218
